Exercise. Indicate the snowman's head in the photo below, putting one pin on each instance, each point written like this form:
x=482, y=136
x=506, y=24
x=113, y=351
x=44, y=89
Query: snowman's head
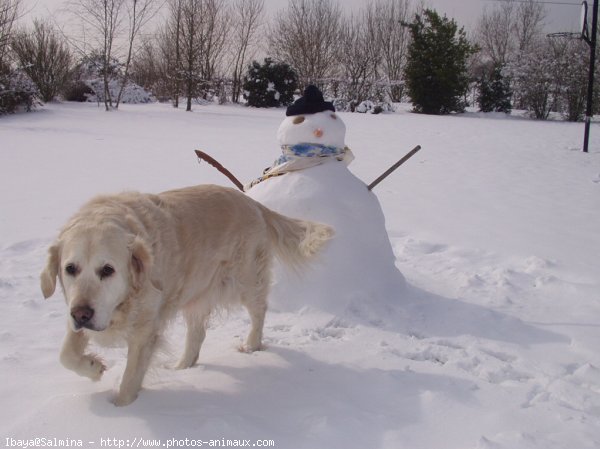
x=312, y=120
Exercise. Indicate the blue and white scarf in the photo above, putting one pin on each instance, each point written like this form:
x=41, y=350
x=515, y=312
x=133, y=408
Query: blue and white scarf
x=301, y=156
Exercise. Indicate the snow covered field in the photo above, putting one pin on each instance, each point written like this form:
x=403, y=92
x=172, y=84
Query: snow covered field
x=494, y=344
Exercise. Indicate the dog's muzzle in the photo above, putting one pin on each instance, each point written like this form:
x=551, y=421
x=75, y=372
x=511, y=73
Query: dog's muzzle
x=82, y=316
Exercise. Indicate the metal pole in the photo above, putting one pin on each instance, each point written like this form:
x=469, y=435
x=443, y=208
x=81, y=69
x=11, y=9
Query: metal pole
x=590, y=92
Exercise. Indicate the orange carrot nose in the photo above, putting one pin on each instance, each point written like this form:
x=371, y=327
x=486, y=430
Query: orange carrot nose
x=318, y=132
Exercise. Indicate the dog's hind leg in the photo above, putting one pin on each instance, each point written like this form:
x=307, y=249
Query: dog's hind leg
x=255, y=300
x=196, y=317
x=257, y=308
x=73, y=356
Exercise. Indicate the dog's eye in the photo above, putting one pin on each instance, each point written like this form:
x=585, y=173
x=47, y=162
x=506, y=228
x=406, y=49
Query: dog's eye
x=106, y=271
x=71, y=269
x=297, y=120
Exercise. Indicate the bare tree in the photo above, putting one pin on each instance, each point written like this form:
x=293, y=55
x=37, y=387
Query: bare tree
x=144, y=65
x=152, y=65
x=359, y=54
x=169, y=51
x=495, y=33
x=190, y=45
x=214, y=37
x=247, y=16
x=9, y=12
x=511, y=36
x=306, y=35
x=102, y=20
x=570, y=76
x=45, y=57
x=393, y=37
x=510, y=29
x=528, y=25
x=533, y=79
x=202, y=41
x=171, y=46
x=139, y=13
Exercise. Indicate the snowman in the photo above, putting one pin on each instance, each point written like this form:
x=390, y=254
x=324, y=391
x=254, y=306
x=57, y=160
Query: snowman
x=356, y=273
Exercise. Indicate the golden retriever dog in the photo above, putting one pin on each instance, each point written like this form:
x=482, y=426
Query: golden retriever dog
x=128, y=263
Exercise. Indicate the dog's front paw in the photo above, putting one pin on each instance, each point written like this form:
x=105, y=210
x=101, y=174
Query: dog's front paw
x=91, y=366
x=250, y=348
x=182, y=364
x=122, y=399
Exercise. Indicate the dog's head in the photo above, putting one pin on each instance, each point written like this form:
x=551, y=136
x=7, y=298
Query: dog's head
x=99, y=268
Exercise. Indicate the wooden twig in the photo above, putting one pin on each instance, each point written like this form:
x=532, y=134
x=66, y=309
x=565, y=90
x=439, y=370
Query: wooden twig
x=385, y=174
x=203, y=156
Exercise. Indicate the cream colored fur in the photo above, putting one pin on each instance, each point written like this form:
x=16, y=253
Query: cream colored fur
x=137, y=259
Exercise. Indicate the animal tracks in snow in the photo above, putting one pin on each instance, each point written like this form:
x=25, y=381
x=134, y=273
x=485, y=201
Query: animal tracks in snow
x=309, y=331
x=578, y=393
x=493, y=357
x=478, y=276
x=475, y=361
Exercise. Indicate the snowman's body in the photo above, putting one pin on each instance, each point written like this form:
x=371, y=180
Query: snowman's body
x=323, y=189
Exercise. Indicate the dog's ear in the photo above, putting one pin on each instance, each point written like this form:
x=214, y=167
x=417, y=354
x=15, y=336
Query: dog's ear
x=141, y=262
x=48, y=276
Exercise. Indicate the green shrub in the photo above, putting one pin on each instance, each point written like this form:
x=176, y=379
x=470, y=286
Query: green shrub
x=436, y=70
x=271, y=84
x=494, y=92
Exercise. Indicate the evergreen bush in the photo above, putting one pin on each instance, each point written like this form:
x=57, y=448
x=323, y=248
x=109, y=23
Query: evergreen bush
x=271, y=84
x=17, y=92
x=436, y=70
x=494, y=92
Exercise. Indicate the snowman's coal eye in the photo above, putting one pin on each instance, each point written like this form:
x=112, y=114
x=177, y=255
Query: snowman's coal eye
x=298, y=120
x=333, y=116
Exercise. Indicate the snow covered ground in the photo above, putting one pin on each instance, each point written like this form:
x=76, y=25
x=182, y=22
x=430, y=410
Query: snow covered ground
x=493, y=345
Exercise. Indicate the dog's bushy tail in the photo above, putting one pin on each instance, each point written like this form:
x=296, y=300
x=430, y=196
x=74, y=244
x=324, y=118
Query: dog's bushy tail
x=295, y=241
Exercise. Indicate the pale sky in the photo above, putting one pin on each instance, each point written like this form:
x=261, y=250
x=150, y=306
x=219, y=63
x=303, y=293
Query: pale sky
x=465, y=12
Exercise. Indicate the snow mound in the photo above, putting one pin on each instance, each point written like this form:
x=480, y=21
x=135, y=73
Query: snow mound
x=356, y=272
x=132, y=92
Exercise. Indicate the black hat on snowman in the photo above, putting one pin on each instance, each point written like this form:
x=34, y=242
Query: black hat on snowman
x=310, y=103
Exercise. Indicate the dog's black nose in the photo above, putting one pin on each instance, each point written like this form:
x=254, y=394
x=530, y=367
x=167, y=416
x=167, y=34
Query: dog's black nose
x=82, y=315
